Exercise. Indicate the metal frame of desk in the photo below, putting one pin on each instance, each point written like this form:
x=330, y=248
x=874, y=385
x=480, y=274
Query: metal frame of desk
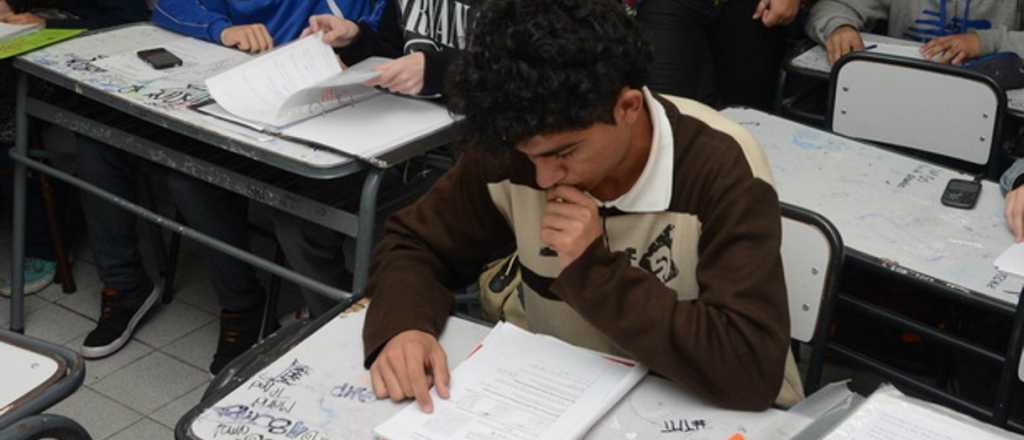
x=360, y=225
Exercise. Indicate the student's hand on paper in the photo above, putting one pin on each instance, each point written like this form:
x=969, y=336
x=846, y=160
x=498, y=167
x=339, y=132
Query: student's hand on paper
x=953, y=49
x=1015, y=213
x=248, y=37
x=24, y=19
x=571, y=222
x=338, y=32
x=776, y=12
x=400, y=370
x=5, y=10
x=404, y=75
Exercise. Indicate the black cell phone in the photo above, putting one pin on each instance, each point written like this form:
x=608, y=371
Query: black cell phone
x=159, y=58
x=961, y=193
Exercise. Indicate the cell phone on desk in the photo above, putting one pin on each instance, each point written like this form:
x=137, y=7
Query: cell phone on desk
x=159, y=58
x=961, y=193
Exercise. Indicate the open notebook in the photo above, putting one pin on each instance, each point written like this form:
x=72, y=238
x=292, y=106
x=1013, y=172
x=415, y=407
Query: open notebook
x=300, y=91
x=523, y=386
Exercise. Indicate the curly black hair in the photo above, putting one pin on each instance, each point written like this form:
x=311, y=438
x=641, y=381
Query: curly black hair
x=544, y=66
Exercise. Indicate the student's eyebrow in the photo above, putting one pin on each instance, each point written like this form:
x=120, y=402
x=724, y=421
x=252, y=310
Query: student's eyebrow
x=555, y=151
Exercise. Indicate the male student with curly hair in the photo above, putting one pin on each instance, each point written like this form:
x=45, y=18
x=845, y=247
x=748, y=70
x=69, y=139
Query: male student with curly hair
x=661, y=220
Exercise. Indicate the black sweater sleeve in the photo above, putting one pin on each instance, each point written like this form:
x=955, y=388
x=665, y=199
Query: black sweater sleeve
x=98, y=14
x=384, y=42
x=435, y=69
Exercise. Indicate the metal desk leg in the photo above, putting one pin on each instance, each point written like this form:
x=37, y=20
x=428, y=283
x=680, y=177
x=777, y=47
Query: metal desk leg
x=1001, y=412
x=367, y=224
x=18, y=240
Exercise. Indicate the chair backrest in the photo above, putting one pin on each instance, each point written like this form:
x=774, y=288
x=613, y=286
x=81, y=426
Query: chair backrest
x=929, y=107
x=812, y=259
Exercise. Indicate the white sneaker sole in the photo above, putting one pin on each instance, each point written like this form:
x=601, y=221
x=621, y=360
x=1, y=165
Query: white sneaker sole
x=113, y=347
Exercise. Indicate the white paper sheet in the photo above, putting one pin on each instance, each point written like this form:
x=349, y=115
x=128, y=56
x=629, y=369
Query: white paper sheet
x=1011, y=260
x=520, y=386
x=899, y=50
x=290, y=84
x=889, y=415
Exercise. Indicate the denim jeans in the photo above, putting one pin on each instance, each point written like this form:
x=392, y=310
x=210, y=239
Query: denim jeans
x=210, y=210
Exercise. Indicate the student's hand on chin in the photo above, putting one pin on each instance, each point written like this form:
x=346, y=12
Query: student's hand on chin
x=571, y=222
x=843, y=40
x=404, y=75
x=24, y=19
x=400, y=370
x=1015, y=213
x=953, y=49
x=248, y=37
x=338, y=32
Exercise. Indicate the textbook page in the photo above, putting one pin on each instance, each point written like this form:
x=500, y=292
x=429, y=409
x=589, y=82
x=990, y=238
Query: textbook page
x=899, y=50
x=890, y=415
x=374, y=126
x=297, y=81
x=520, y=386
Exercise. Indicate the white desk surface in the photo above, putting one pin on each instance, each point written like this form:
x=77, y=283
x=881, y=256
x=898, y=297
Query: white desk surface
x=170, y=95
x=815, y=59
x=319, y=390
x=24, y=372
x=886, y=205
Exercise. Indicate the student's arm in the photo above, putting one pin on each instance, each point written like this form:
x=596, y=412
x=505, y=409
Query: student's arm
x=436, y=245
x=1001, y=39
x=828, y=15
x=202, y=19
x=730, y=344
x=1010, y=182
x=435, y=69
x=100, y=14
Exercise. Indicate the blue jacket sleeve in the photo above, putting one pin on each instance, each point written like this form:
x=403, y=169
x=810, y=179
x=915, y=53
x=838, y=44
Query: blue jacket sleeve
x=203, y=19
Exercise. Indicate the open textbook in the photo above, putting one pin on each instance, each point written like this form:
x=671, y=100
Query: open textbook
x=520, y=386
x=301, y=91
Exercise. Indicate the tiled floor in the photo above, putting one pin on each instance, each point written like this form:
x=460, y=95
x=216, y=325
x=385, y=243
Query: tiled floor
x=141, y=391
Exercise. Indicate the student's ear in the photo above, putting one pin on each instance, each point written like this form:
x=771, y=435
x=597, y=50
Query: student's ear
x=629, y=106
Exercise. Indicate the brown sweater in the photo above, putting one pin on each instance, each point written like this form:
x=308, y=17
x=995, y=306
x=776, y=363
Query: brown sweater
x=695, y=292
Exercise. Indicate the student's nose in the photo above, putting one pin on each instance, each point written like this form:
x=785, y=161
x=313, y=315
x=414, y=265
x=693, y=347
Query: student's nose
x=549, y=171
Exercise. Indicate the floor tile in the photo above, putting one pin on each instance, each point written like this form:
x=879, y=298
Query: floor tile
x=56, y=324
x=98, y=414
x=144, y=429
x=172, y=322
x=96, y=370
x=151, y=382
x=174, y=411
x=196, y=348
x=32, y=303
x=85, y=302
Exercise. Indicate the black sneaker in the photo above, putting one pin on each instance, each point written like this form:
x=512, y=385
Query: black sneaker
x=120, y=314
x=239, y=331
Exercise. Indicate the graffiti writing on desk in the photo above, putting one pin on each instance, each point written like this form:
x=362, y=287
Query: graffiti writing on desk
x=284, y=405
x=173, y=97
x=354, y=393
x=293, y=374
x=922, y=174
x=683, y=425
x=997, y=280
x=238, y=422
x=77, y=64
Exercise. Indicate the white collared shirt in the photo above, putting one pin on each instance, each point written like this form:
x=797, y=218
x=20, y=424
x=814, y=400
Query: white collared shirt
x=652, y=191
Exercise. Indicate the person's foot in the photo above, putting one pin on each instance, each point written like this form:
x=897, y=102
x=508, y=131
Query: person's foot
x=238, y=332
x=38, y=274
x=120, y=315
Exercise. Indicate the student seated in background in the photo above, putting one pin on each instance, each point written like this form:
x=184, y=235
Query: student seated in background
x=87, y=14
x=129, y=294
x=312, y=249
x=642, y=228
x=953, y=32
